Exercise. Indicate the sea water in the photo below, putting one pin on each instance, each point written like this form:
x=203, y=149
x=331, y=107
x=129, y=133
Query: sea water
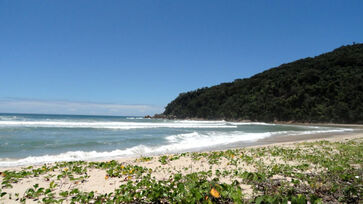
x=27, y=139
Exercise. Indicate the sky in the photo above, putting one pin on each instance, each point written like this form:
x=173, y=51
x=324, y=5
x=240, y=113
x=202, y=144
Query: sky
x=134, y=57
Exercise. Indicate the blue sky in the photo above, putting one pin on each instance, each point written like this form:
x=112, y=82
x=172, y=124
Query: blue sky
x=137, y=56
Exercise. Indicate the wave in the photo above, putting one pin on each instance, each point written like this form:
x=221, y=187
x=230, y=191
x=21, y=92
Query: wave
x=175, y=143
x=114, y=125
x=251, y=123
x=67, y=156
x=193, y=141
x=8, y=118
x=135, y=118
x=198, y=121
x=213, y=138
x=320, y=131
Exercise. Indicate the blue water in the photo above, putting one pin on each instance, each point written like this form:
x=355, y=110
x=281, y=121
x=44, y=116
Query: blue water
x=31, y=138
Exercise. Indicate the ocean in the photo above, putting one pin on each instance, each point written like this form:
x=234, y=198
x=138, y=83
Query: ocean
x=28, y=139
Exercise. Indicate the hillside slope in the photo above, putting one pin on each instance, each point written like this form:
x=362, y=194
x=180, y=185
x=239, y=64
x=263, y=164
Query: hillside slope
x=326, y=88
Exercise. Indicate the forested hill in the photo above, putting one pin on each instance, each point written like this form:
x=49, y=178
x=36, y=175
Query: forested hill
x=326, y=88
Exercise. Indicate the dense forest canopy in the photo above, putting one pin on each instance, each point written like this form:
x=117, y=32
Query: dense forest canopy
x=326, y=88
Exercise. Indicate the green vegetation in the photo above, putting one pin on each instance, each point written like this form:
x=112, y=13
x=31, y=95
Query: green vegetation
x=315, y=172
x=326, y=88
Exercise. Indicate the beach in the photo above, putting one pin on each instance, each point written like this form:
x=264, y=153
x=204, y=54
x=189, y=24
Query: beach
x=33, y=139
x=306, y=165
x=177, y=102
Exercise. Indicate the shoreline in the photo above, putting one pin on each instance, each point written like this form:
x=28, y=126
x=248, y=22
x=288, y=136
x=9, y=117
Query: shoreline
x=286, y=140
x=269, y=141
x=358, y=125
x=106, y=176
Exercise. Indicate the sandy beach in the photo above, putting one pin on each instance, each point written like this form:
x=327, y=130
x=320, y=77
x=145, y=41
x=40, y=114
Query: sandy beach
x=291, y=157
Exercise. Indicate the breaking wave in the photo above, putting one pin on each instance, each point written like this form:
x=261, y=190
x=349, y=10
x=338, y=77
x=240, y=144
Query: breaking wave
x=174, y=144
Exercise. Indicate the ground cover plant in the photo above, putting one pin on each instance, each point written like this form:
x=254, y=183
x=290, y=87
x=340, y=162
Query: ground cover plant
x=315, y=172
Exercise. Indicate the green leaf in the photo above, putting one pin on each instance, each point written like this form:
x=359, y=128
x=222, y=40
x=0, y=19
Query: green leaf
x=3, y=194
x=259, y=200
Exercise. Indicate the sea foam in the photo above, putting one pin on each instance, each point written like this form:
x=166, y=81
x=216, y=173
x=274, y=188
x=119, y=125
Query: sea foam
x=193, y=141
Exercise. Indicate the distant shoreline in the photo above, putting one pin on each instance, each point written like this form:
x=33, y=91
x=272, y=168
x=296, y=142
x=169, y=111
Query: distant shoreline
x=358, y=125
